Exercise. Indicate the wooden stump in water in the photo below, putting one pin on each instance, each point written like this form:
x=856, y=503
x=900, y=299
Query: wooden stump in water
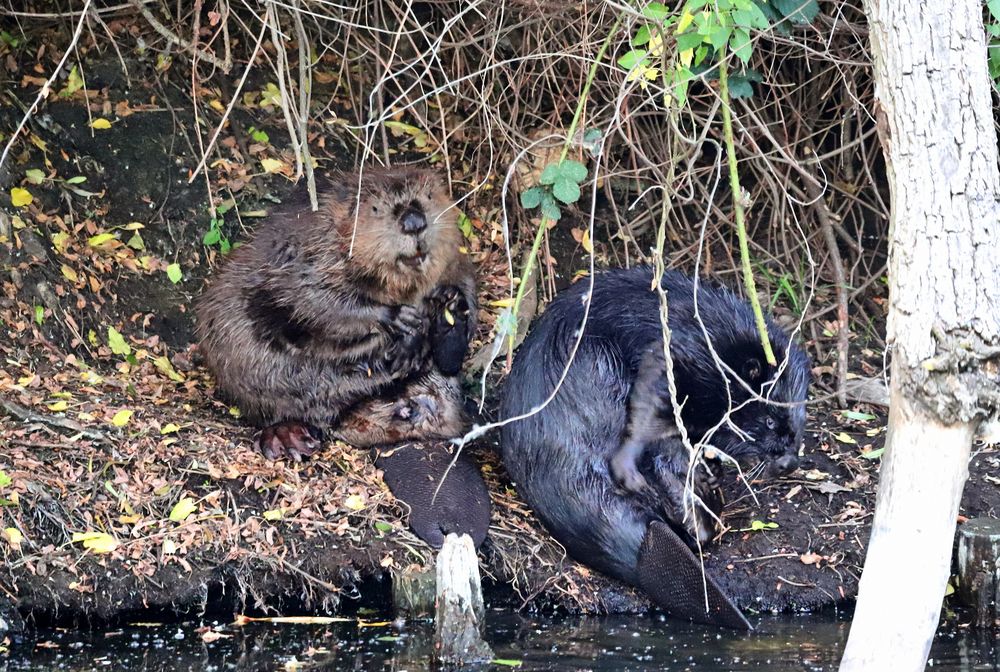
x=413, y=593
x=978, y=573
x=457, y=639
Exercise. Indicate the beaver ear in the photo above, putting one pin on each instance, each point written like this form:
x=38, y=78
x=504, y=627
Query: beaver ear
x=752, y=369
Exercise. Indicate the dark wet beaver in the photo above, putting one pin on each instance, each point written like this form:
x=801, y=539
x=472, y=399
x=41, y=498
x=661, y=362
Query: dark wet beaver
x=613, y=408
x=355, y=317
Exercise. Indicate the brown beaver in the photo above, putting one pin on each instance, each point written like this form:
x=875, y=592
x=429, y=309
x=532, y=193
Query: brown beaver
x=354, y=317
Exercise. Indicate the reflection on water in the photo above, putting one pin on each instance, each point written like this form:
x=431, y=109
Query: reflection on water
x=542, y=643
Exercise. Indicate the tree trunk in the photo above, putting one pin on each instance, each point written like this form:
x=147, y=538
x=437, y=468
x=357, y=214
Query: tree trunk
x=936, y=126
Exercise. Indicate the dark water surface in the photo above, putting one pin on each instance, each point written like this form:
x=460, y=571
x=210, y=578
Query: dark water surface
x=780, y=644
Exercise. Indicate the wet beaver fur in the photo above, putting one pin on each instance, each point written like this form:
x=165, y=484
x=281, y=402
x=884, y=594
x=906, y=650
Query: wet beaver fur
x=315, y=324
x=354, y=319
x=603, y=460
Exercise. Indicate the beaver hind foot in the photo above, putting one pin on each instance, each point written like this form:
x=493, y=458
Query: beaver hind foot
x=291, y=439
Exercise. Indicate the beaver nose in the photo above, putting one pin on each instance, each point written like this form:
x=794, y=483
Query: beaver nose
x=413, y=222
x=786, y=464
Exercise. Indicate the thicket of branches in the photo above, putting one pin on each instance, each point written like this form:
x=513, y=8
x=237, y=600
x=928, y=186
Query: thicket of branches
x=491, y=89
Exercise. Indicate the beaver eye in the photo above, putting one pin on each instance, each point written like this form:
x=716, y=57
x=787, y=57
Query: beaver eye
x=771, y=423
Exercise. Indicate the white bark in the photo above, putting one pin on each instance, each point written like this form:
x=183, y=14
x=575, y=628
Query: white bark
x=936, y=126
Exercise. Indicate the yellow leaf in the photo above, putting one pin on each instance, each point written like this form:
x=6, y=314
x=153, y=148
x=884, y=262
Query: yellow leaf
x=121, y=418
x=100, y=124
x=235, y=412
x=274, y=514
x=59, y=241
x=373, y=624
x=182, y=509
x=98, y=542
x=167, y=369
x=134, y=226
x=170, y=428
x=100, y=239
x=502, y=303
x=217, y=105
x=20, y=197
x=129, y=519
x=69, y=273
x=273, y=165
x=448, y=317
x=686, y=19
x=844, y=438
x=58, y=406
x=355, y=503
x=13, y=536
x=586, y=242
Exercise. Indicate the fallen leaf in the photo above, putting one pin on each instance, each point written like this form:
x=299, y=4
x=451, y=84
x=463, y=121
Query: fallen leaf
x=98, y=542
x=13, y=537
x=274, y=514
x=58, y=406
x=182, y=509
x=273, y=165
x=355, y=503
x=20, y=197
x=100, y=124
x=121, y=418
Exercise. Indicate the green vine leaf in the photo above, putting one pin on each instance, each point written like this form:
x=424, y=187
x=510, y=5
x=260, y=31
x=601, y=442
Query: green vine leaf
x=531, y=198
x=550, y=210
x=632, y=58
x=797, y=11
x=566, y=190
x=740, y=44
x=550, y=174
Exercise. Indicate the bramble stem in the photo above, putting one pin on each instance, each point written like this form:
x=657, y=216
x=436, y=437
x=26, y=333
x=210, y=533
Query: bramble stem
x=741, y=229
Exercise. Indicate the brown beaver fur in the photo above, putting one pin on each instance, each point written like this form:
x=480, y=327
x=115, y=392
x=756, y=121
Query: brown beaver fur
x=356, y=316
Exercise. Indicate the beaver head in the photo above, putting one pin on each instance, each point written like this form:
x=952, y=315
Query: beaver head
x=770, y=430
x=406, y=233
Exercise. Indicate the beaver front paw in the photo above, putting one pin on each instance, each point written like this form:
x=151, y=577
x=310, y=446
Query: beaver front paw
x=289, y=439
x=449, y=328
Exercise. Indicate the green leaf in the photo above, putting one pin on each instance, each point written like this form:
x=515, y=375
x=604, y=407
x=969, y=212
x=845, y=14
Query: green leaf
x=550, y=209
x=718, y=37
x=566, y=190
x=39, y=314
x=549, y=174
x=739, y=86
x=573, y=170
x=740, y=44
x=259, y=136
x=174, y=273
x=630, y=59
x=531, y=198
x=994, y=7
x=135, y=242
x=5, y=480
x=383, y=526
x=224, y=246
x=855, y=415
x=212, y=236
x=873, y=454
x=34, y=176
x=506, y=662
x=78, y=179
x=117, y=342
x=464, y=224
x=100, y=239
x=689, y=40
x=656, y=11
x=641, y=37
x=797, y=11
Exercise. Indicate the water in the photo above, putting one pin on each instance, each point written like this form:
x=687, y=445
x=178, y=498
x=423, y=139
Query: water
x=612, y=643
